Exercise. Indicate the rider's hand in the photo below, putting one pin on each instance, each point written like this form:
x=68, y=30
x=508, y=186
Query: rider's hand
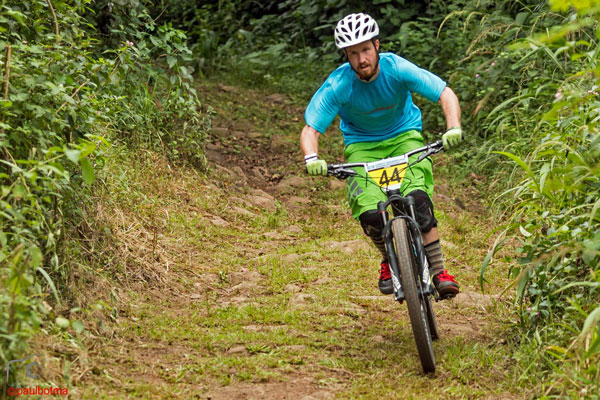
x=452, y=137
x=314, y=166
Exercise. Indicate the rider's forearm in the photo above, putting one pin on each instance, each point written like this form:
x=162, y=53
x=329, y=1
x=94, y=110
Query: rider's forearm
x=451, y=108
x=309, y=140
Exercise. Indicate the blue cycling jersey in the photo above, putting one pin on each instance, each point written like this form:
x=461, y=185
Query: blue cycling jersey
x=377, y=110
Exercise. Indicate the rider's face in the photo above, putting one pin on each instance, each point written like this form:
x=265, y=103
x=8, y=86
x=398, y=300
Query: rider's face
x=363, y=58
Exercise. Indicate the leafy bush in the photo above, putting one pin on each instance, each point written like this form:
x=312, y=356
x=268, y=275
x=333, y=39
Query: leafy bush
x=65, y=94
x=269, y=40
x=555, y=209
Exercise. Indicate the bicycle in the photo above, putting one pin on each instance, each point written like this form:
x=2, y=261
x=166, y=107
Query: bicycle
x=404, y=246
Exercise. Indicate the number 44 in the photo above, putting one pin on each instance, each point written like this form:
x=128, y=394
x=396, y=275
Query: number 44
x=386, y=181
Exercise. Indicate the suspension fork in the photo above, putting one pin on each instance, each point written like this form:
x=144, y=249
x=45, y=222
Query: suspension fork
x=389, y=249
x=415, y=231
x=421, y=257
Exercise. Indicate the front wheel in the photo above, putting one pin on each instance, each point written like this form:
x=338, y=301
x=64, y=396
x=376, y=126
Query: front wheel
x=416, y=301
x=433, y=328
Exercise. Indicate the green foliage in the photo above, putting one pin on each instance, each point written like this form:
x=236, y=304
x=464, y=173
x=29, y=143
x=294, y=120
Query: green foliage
x=65, y=95
x=526, y=73
x=266, y=41
x=555, y=191
x=558, y=280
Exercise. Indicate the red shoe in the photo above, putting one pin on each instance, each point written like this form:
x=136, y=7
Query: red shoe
x=385, y=279
x=445, y=284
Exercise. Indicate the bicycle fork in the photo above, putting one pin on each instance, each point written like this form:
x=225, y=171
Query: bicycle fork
x=391, y=253
x=426, y=287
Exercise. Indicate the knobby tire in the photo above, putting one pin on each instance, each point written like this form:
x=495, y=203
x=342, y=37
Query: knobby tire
x=416, y=303
x=433, y=328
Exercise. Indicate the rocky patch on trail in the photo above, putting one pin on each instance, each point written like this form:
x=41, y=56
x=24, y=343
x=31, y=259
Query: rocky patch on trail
x=300, y=300
x=290, y=184
x=469, y=329
x=274, y=235
x=218, y=221
x=322, y=281
x=293, y=229
x=296, y=202
x=349, y=246
x=291, y=288
x=241, y=349
x=265, y=203
x=290, y=258
x=243, y=288
x=243, y=211
x=292, y=388
x=245, y=275
x=335, y=184
x=263, y=328
x=475, y=299
x=261, y=193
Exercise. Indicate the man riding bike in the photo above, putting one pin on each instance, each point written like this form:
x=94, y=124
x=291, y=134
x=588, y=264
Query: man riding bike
x=372, y=95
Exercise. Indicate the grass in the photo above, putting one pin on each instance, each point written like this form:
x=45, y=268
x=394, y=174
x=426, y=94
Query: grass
x=253, y=304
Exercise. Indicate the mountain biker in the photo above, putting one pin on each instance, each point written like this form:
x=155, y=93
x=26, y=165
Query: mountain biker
x=372, y=95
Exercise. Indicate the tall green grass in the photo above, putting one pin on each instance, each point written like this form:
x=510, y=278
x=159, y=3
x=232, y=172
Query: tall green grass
x=553, y=207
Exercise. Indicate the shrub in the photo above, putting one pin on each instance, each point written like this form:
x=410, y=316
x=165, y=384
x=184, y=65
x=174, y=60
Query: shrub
x=66, y=95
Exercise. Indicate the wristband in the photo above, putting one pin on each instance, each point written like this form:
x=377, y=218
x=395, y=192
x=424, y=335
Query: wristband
x=310, y=157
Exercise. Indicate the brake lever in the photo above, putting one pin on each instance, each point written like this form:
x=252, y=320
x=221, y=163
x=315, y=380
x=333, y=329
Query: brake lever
x=342, y=173
x=434, y=148
x=345, y=173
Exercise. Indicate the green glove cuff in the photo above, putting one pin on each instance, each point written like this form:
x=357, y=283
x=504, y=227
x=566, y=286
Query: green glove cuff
x=452, y=137
x=316, y=167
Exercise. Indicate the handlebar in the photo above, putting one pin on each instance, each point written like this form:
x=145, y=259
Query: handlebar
x=343, y=171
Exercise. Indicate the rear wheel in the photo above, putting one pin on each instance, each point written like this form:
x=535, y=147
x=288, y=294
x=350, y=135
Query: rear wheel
x=416, y=302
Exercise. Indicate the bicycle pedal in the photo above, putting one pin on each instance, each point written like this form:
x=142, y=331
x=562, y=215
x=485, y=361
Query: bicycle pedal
x=448, y=296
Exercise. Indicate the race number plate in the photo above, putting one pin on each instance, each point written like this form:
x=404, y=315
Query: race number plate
x=388, y=173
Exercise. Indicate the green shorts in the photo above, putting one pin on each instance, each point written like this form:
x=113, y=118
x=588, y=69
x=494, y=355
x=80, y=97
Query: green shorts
x=364, y=194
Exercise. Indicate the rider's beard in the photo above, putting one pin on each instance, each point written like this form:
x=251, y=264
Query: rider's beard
x=366, y=75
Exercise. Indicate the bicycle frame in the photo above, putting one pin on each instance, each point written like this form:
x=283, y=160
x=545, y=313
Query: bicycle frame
x=402, y=207
x=403, y=244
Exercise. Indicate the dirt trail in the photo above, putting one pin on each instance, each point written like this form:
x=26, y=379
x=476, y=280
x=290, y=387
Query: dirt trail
x=265, y=288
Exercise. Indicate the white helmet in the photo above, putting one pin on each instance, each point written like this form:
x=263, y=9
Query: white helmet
x=354, y=29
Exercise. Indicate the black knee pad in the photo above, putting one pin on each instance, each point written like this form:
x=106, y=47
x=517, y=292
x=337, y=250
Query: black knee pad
x=371, y=223
x=424, y=210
